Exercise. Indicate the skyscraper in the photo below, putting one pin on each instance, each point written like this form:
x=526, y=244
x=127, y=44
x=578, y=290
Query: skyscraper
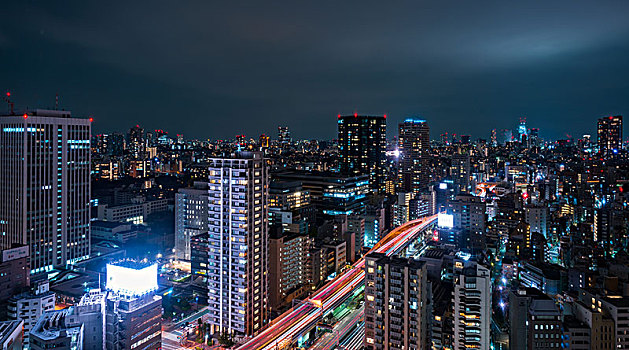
x=136, y=145
x=414, y=147
x=238, y=242
x=45, y=186
x=609, y=135
x=396, y=303
x=362, y=146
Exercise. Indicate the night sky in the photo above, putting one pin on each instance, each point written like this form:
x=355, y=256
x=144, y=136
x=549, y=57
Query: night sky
x=213, y=69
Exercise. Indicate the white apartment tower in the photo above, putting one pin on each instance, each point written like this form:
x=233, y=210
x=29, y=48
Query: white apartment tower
x=45, y=186
x=472, y=308
x=238, y=243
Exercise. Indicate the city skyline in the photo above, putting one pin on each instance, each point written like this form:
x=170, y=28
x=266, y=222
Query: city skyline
x=230, y=72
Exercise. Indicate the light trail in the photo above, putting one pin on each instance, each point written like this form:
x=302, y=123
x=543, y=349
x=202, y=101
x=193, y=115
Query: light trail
x=280, y=332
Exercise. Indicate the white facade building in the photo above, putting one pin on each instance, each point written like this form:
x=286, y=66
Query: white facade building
x=238, y=243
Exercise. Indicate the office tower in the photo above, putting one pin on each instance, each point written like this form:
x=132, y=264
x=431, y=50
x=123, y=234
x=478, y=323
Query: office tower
x=283, y=136
x=11, y=337
x=522, y=130
x=494, y=138
x=472, y=308
x=135, y=143
x=238, y=241
x=133, y=312
x=191, y=217
x=288, y=276
x=45, y=186
x=29, y=306
x=609, y=135
x=414, y=146
x=460, y=171
x=396, y=303
x=362, y=147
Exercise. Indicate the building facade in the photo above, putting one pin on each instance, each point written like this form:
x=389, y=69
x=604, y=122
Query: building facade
x=396, y=303
x=45, y=197
x=362, y=147
x=414, y=148
x=238, y=242
x=191, y=217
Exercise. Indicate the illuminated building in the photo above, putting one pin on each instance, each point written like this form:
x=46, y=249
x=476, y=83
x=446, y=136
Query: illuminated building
x=609, y=135
x=460, y=172
x=374, y=223
x=472, y=307
x=283, y=136
x=45, y=186
x=52, y=332
x=135, y=143
x=537, y=217
x=132, y=213
x=191, y=217
x=414, y=147
x=199, y=269
x=616, y=307
x=264, y=141
x=535, y=320
x=132, y=310
x=362, y=147
x=288, y=276
x=14, y=272
x=468, y=212
x=402, y=208
x=396, y=303
x=238, y=237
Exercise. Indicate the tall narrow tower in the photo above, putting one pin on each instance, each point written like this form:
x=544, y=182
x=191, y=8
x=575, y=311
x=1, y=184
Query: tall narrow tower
x=362, y=146
x=238, y=243
x=45, y=186
x=414, y=147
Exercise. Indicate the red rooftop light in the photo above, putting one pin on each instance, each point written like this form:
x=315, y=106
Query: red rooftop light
x=8, y=94
x=385, y=116
x=25, y=115
x=355, y=115
x=91, y=119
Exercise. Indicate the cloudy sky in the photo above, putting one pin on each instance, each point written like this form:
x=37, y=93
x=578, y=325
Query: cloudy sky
x=213, y=69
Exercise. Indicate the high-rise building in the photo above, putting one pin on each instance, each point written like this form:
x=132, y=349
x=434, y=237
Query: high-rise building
x=135, y=142
x=396, y=303
x=472, y=308
x=414, y=147
x=362, y=147
x=14, y=272
x=29, y=306
x=610, y=135
x=191, y=217
x=238, y=241
x=468, y=213
x=460, y=172
x=45, y=186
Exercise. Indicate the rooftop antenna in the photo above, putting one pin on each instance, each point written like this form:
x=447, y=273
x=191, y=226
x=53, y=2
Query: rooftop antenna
x=57, y=102
x=7, y=98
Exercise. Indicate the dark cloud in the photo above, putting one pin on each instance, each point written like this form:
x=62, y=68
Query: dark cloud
x=214, y=69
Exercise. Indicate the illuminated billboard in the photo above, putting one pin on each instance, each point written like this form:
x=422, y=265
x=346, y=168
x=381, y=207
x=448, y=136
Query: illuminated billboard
x=445, y=220
x=130, y=278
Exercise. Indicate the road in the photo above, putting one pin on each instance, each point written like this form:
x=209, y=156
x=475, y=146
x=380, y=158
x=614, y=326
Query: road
x=340, y=330
x=280, y=332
